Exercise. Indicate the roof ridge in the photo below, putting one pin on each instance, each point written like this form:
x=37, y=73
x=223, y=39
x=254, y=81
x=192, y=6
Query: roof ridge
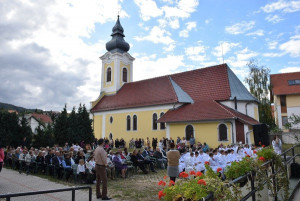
x=179, y=73
x=170, y=82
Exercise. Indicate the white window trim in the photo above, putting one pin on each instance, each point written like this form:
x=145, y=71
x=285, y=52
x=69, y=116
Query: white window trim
x=110, y=75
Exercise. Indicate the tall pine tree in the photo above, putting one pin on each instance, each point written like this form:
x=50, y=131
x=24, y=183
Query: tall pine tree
x=61, y=127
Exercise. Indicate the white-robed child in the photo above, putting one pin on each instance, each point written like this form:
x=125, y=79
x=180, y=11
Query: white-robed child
x=81, y=171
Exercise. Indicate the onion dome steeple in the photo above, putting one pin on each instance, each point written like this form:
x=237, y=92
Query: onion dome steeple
x=117, y=43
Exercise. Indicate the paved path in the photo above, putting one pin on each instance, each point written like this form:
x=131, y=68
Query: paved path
x=13, y=182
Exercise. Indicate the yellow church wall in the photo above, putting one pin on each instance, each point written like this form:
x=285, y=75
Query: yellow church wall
x=122, y=65
x=106, y=66
x=203, y=132
x=97, y=123
x=293, y=100
x=144, y=125
x=251, y=134
x=256, y=117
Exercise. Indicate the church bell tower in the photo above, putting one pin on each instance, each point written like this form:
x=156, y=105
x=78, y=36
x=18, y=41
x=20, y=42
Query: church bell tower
x=116, y=62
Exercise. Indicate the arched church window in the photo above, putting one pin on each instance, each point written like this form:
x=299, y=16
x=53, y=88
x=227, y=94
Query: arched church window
x=108, y=75
x=222, y=132
x=154, y=119
x=134, y=122
x=124, y=75
x=128, y=122
x=162, y=124
x=189, y=131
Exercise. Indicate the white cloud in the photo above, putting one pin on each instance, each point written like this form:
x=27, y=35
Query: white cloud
x=292, y=46
x=148, y=9
x=196, y=53
x=183, y=9
x=157, y=35
x=259, y=32
x=156, y=66
x=189, y=26
x=289, y=69
x=223, y=48
x=45, y=38
x=274, y=19
x=240, y=27
x=245, y=54
x=282, y=5
x=272, y=45
x=273, y=54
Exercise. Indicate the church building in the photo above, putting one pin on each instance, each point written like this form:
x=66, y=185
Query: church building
x=209, y=103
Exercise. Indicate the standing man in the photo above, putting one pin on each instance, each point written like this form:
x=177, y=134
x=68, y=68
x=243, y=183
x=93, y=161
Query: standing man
x=101, y=164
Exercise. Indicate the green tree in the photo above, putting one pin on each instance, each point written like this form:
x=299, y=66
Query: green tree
x=73, y=128
x=61, y=127
x=44, y=136
x=85, y=125
x=258, y=82
x=9, y=129
x=25, y=131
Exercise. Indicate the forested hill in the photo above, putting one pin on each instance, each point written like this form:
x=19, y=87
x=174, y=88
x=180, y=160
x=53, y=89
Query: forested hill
x=7, y=106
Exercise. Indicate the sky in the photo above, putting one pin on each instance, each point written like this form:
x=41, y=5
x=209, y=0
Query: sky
x=50, y=49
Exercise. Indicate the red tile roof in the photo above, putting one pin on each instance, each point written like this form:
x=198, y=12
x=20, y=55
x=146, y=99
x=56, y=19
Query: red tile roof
x=280, y=86
x=156, y=91
x=206, y=110
x=205, y=83
x=42, y=117
x=205, y=86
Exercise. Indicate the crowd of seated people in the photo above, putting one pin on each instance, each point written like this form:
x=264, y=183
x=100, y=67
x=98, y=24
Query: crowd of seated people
x=69, y=161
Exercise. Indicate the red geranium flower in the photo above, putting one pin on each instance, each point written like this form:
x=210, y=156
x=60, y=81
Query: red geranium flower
x=263, y=145
x=254, y=151
x=161, y=194
x=219, y=169
x=261, y=158
x=192, y=172
x=248, y=155
x=165, y=177
x=199, y=174
x=201, y=181
x=161, y=183
x=206, y=163
x=171, y=183
x=183, y=175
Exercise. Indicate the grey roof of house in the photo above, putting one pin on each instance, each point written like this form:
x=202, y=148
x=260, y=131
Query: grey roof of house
x=182, y=96
x=237, y=88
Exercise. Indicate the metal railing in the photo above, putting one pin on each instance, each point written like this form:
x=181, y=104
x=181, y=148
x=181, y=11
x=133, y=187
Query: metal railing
x=254, y=189
x=73, y=189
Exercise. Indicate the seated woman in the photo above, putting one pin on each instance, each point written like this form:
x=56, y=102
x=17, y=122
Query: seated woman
x=137, y=162
x=119, y=164
x=162, y=161
x=41, y=161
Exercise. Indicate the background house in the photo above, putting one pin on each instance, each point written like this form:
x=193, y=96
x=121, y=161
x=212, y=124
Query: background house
x=35, y=119
x=285, y=94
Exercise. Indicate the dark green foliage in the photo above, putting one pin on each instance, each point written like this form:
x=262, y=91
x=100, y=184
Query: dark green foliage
x=61, y=127
x=44, y=137
x=11, y=131
x=258, y=82
x=74, y=128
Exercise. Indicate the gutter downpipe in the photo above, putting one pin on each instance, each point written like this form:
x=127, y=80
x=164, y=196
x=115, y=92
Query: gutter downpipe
x=232, y=133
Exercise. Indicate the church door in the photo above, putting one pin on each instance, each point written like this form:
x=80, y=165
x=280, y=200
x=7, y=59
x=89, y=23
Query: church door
x=189, y=130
